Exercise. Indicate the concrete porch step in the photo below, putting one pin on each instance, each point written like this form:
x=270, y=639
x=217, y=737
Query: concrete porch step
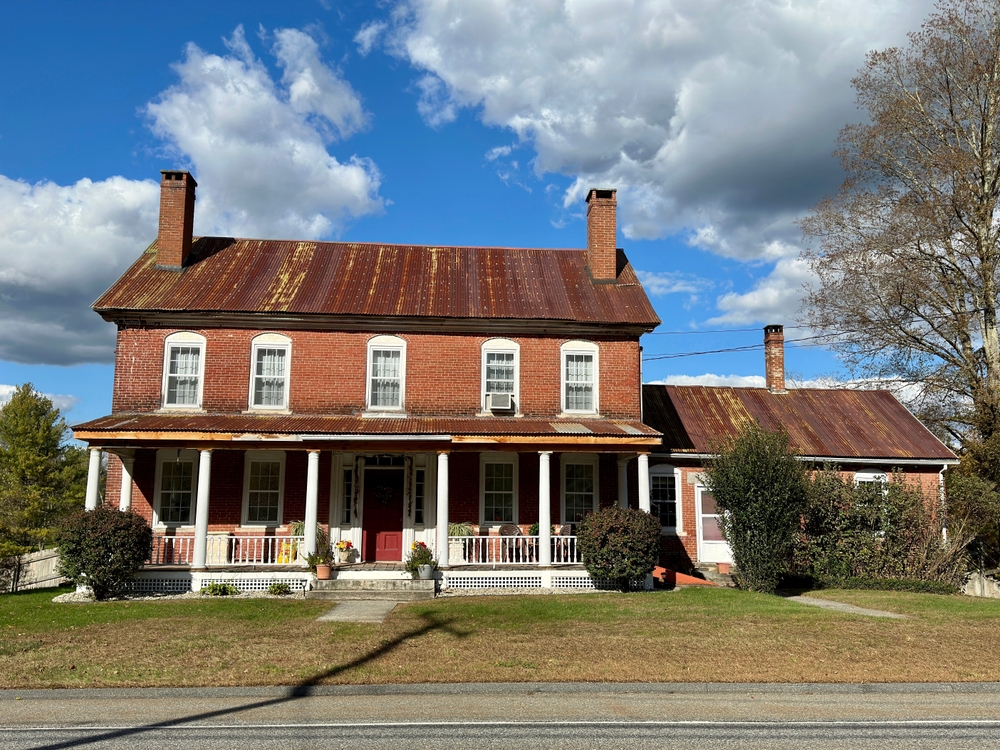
x=404, y=590
x=711, y=573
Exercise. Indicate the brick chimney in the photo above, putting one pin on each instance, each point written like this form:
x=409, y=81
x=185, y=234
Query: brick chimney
x=602, y=235
x=173, y=244
x=774, y=358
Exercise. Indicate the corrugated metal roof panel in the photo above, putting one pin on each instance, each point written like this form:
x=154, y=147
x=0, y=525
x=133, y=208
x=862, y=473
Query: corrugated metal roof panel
x=835, y=423
x=339, y=278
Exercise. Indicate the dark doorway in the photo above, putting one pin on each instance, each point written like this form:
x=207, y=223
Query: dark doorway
x=382, y=530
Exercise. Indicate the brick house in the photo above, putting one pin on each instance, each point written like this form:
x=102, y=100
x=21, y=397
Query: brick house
x=382, y=392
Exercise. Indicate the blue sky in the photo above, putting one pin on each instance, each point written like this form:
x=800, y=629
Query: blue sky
x=458, y=122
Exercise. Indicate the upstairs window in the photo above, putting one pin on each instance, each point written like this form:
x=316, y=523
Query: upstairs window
x=271, y=355
x=500, y=376
x=386, y=373
x=579, y=377
x=183, y=368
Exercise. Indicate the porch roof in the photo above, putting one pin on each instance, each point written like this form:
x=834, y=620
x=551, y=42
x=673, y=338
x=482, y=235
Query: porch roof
x=311, y=428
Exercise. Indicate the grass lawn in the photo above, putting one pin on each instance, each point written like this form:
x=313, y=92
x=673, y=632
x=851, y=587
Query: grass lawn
x=696, y=634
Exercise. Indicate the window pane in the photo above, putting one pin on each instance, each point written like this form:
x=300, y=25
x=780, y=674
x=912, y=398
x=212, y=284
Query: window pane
x=176, y=489
x=499, y=372
x=663, y=499
x=348, y=496
x=710, y=531
x=269, y=378
x=418, y=498
x=264, y=492
x=708, y=503
x=385, y=386
x=498, y=488
x=182, y=375
x=579, y=491
x=580, y=382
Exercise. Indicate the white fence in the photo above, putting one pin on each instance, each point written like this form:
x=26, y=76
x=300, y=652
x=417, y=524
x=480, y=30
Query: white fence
x=226, y=549
x=509, y=550
x=35, y=570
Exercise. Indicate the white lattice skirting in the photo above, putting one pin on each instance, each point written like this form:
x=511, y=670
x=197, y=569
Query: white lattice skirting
x=246, y=582
x=515, y=579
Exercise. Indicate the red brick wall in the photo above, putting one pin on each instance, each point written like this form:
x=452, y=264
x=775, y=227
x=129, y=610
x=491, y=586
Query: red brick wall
x=328, y=371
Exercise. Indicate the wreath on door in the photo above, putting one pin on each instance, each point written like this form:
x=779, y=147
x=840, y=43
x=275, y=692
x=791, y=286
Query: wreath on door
x=383, y=495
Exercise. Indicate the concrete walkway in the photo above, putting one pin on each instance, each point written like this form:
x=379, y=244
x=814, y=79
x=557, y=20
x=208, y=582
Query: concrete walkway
x=841, y=607
x=359, y=610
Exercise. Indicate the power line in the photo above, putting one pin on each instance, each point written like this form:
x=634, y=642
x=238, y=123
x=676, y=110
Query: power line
x=732, y=349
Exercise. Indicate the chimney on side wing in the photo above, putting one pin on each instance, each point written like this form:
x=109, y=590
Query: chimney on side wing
x=774, y=358
x=173, y=243
x=602, y=235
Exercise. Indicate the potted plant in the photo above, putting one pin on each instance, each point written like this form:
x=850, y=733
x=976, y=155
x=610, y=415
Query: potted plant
x=344, y=550
x=456, y=548
x=319, y=562
x=420, y=562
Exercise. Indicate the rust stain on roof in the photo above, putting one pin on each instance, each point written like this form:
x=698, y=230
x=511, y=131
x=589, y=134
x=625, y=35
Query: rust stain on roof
x=358, y=279
x=835, y=423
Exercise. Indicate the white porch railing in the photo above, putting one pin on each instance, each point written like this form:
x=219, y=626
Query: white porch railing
x=230, y=550
x=508, y=550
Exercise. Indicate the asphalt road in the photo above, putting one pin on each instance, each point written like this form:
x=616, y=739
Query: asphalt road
x=508, y=716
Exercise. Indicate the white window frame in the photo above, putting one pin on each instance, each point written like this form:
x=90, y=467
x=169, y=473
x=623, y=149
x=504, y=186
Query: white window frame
x=496, y=458
x=665, y=470
x=183, y=339
x=501, y=346
x=270, y=341
x=578, y=458
x=871, y=476
x=249, y=458
x=165, y=455
x=386, y=343
x=579, y=347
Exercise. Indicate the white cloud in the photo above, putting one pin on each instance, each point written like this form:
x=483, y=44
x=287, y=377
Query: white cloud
x=715, y=118
x=62, y=402
x=495, y=153
x=368, y=36
x=773, y=299
x=715, y=381
x=259, y=151
x=669, y=282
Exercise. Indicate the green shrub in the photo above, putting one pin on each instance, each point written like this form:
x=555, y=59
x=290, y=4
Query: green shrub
x=104, y=548
x=460, y=529
x=760, y=489
x=534, y=529
x=420, y=554
x=219, y=588
x=278, y=588
x=891, y=584
x=619, y=544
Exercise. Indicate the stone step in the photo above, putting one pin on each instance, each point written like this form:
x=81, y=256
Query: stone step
x=402, y=590
x=711, y=573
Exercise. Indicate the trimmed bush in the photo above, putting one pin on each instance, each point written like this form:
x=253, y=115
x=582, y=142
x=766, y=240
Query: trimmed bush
x=891, y=584
x=279, y=588
x=619, y=545
x=219, y=588
x=104, y=548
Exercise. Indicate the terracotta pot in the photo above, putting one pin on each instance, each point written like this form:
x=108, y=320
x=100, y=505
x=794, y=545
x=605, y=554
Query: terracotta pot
x=724, y=569
x=323, y=572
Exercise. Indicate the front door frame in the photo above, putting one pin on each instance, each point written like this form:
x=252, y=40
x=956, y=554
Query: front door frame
x=364, y=466
x=708, y=551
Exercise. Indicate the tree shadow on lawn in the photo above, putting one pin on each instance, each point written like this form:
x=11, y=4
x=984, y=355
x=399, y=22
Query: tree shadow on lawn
x=302, y=690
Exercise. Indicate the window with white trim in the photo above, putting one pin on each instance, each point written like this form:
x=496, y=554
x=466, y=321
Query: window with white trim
x=579, y=377
x=498, y=488
x=347, y=497
x=183, y=370
x=579, y=487
x=269, y=377
x=263, y=488
x=419, y=495
x=176, y=487
x=386, y=373
x=500, y=376
x=874, y=498
x=664, y=495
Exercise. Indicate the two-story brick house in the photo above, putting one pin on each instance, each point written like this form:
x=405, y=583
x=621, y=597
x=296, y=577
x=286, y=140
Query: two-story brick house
x=380, y=391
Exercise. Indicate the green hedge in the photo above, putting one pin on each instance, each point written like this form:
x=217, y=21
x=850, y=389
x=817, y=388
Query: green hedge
x=890, y=584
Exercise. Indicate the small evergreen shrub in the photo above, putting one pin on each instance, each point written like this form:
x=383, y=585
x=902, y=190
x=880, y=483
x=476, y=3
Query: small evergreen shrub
x=219, y=588
x=619, y=545
x=104, y=548
x=279, y=588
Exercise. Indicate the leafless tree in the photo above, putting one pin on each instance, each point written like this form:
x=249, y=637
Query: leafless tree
x=907, y=252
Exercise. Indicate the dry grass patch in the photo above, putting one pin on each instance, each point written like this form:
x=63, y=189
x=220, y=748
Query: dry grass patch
x=689, y=635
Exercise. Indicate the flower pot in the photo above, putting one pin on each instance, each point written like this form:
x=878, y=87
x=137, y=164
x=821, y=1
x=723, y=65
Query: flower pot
x=323, y=572
x=456, y=551
x=343, y=556
x=426, y=572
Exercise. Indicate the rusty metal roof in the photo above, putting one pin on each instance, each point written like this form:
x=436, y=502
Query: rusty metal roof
x=305, y=424
x=838, y=424
x=225, y=275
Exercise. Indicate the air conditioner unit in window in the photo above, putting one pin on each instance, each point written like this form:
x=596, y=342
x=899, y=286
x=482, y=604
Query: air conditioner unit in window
x=500, y=401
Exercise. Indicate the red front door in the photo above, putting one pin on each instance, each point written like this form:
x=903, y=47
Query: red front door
x=382, y=530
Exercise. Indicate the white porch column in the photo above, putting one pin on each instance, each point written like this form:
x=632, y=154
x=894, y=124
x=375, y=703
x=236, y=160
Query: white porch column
x=312, y=497
x=544, y=511
x=623, y=482
x=93, y=479
x=442, y=510
x=644, y=482
x=125, y=496
x=201, y=510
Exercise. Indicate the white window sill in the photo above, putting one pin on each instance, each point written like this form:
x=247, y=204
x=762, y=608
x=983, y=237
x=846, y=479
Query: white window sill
x=169, y=407
x=499, y=413
x=266, y=410
x=258, y=527
x=174, y=526
x=578, y=415
x=397, y=414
